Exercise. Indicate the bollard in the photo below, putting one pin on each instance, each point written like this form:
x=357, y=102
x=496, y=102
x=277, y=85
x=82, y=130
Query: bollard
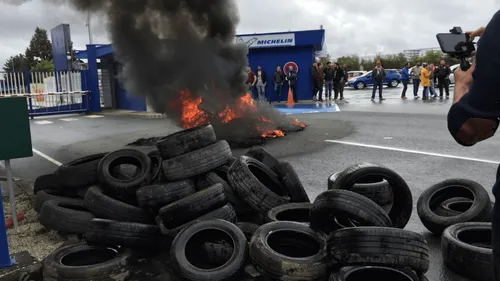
x=5, y=258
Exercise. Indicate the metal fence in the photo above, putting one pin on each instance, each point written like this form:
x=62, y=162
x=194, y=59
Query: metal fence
x=48, y=93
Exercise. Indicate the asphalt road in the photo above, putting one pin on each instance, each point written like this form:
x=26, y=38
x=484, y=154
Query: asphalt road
x=409, y=136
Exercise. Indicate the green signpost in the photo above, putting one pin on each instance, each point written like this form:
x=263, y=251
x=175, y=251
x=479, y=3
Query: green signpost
x=15, y=140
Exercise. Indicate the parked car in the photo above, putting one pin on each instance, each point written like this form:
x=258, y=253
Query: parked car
x=354, y=74
x=452, y=76
x=392, y=79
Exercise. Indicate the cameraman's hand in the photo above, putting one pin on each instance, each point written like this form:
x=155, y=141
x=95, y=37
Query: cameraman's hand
x=476, y=33
x=463, y=79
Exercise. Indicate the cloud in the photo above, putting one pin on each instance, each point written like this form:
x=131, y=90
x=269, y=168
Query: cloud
x=352, y=27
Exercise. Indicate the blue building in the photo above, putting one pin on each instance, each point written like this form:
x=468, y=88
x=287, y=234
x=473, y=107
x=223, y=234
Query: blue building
x=296, y=48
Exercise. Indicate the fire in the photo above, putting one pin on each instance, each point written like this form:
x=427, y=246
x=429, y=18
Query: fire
x=192, y=116
x=296, y=122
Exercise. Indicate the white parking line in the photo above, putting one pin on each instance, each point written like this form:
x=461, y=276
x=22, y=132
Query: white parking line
x=68, y=119
x=46, y=157
x=93, y=116
x=414, y=151
x=43, y=122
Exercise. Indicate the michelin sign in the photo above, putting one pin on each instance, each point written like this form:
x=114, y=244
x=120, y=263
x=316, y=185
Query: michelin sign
x=267, y=40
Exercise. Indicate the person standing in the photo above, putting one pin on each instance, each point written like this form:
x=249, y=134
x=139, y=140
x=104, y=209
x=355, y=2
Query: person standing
x=328, y=80
x=425, y=81
x=251, y=79
x=405, y=79
x=415, y=75
x=378, y=77
x=345, y=77
x=320, y=78
x=443, y=77
x=313, y=74
x=337, y=79
x=278, y=79
x=261, y=83
x=291, y=77
x=432, y=90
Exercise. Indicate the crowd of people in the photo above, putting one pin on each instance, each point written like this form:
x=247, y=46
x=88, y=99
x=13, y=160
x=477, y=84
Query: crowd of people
x=427, y=76
x=257, y=81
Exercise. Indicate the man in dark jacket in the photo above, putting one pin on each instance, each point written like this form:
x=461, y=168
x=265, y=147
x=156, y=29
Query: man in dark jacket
x=378, y=77
x=278, y=79
x=320, y=78
x=291, y=77
x=313, y=74
x=442, y=73
x=405, y=78
x=338, y=76
x=345, y=77
x=474, y=115
x=328, y=71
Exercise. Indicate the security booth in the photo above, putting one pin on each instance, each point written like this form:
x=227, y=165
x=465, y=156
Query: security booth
x=296, y=48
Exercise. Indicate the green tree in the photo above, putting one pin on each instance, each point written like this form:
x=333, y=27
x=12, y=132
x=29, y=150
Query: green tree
x=450, y=60
x=432, y=57
x=352, y=62
x=367, y=64
x=39, y=47
x=44, y=65
x=16, y=63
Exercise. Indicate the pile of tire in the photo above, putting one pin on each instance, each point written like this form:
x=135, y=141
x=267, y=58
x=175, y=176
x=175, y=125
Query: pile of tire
x=459, y=210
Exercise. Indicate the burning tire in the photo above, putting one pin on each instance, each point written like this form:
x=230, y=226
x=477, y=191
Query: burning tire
x=333, y=208
x=467, y=250
x=400, y=211
x=197, y=162
x=226, y=213
x=106, y=207
x=297, y=212
x=291, y=181
x=186, y=141
x=127, y=234
x=289, y=251
x=193, y=206
x=185, y=251
x=84, y=262
x=375, y=188
x=258, y=185
x=362, y=246
x=153, y=197
x=479, y=211
x=67, y=216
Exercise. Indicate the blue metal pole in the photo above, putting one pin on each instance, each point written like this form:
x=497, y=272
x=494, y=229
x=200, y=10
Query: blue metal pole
x=93, y=79
x=5, y=259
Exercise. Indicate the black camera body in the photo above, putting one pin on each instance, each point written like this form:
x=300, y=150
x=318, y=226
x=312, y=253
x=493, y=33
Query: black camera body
x=457, y=44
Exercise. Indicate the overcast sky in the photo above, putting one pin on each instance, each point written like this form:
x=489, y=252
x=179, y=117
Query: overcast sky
x=352, y=26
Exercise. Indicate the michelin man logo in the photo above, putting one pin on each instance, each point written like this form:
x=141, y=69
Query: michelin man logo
x=248, y=43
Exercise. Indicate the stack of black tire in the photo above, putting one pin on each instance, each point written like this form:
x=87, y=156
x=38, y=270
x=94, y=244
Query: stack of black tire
x=459, y=210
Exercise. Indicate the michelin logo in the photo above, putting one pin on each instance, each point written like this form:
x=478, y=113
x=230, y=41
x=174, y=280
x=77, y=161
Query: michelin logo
x=254, y=41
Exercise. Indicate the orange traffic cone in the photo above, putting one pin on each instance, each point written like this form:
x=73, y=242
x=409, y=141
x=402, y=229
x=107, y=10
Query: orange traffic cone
x=290, y=97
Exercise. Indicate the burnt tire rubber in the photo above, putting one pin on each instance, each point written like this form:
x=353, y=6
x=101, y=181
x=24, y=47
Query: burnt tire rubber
x=193, y=206
x=186, y=141
x=125, y=186
x=105, y=207
x=336, y=205
x=226, y=213
x=65, y=215
x=211, y=178
x=187, y=244
x=286, y=250
x=197, y=162
x=248, y=229
x=45, y=195
x=153, y=197
x=381, y=273
x=291, y=182
x=126, y=234
x=467, y=250
x=379, y=246
x=156, y=162
x=375, y=188
x=257, y=186
x=297, y=212
x=262, y=155
x=402, y=206
x=82, y=160
x=479, y=211
x=87, y=263
x=453, y=206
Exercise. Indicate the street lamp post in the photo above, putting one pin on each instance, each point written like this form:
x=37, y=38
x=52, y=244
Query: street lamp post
x=89, y=29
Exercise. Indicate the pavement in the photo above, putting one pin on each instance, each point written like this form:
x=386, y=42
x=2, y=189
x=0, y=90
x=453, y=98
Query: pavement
x=410, y=137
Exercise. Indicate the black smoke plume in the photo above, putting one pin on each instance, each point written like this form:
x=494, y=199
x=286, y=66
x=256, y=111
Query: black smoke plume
x=166, y=46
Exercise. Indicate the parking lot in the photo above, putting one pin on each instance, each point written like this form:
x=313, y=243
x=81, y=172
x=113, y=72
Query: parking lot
x=410, y=137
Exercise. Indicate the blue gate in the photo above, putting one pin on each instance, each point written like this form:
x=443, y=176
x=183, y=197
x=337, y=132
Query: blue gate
x=48, y=93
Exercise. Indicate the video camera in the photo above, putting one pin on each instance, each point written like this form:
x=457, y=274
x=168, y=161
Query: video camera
x=458, y=45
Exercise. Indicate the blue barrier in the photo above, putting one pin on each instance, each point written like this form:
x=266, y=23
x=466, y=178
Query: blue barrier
x=5, y=258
